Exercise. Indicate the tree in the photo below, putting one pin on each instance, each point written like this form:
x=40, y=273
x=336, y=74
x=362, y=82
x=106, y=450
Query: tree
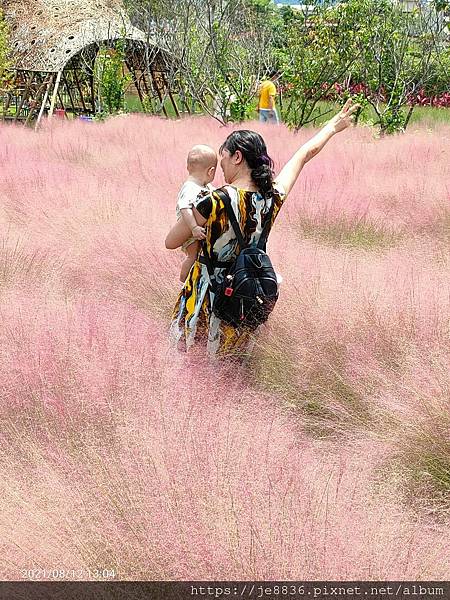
x=219, y=49
x=400, y=54
x=322, y=46
x=111, y=80
x=373, y=42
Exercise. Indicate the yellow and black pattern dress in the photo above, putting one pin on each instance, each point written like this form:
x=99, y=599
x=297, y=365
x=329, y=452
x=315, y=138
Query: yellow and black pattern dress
x=193, y=320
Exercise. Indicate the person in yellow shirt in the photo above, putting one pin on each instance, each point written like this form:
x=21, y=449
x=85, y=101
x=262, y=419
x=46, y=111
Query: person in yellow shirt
x=266, y=103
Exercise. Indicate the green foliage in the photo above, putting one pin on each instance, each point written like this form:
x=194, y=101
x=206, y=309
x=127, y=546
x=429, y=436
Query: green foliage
x=441, y=5
x=439, y=80
x=219, y=50
x=112, y=81
x=222, y=49
x=393, y=52
x=321, y=49
x=4, y=54
x=241, y=110
x=147, y=104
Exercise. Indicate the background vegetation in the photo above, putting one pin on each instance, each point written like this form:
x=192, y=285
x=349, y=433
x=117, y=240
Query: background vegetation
x=4, y=53
x=390, y=58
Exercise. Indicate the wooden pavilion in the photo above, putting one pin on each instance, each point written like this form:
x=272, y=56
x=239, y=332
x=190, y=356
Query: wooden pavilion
x=54, y=47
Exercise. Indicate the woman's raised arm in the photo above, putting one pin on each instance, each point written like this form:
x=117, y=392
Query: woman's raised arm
x=291, y=170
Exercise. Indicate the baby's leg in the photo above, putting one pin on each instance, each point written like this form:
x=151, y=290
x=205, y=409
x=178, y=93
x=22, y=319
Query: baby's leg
x=192, y=253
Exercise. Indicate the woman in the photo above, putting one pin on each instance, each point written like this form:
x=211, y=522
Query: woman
x=247, y=171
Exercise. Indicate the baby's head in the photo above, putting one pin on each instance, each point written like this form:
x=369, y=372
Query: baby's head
x=202, y=163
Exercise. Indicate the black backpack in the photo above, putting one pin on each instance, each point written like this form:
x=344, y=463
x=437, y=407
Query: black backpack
x=249, y=290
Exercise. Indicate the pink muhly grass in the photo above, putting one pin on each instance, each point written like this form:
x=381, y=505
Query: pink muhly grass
x=399, y=185
x=345, y=312
x=159, y=473
x=418, y=405
x=116, y=451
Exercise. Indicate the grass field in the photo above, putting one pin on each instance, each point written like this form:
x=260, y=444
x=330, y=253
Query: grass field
x=327, y=457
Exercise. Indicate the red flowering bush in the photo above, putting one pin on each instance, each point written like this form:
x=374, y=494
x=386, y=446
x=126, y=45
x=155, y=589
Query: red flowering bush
x=419, y=98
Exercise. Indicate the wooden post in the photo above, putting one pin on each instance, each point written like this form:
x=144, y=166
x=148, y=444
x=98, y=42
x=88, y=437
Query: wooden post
x=174, y=104
x=143, y=80
x=25, y=94
x=41, y=111
x=92, y=91
x=55, y=91
x=80, y=91
x=136, y=82
x=66, y=83
x=37, y=98
x=158, y=91
x=61, y=99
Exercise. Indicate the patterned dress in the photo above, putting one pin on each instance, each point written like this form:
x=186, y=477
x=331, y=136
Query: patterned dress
x=192, y=319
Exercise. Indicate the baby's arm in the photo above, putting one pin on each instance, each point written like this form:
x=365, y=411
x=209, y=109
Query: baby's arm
x=179, y=234
x=188, y=217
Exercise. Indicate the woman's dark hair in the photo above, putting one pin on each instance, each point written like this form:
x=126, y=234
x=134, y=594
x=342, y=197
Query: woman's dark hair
x=254, y=151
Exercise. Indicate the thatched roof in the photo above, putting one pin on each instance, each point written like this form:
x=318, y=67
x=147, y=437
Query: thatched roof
x=46, y=34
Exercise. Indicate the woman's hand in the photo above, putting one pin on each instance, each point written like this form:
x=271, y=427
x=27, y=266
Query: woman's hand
x=344, y=117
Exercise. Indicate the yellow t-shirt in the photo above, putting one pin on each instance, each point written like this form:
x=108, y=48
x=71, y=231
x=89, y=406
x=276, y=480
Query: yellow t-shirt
x=266, y=89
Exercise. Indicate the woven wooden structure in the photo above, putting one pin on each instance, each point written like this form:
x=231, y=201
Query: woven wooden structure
x=54, y=47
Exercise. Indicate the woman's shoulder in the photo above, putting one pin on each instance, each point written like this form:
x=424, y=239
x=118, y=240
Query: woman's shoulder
x=204, y=202
x=234, y=192
x=278, y=188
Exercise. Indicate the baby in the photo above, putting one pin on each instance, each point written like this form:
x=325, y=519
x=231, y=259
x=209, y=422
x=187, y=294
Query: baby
x=201, y=165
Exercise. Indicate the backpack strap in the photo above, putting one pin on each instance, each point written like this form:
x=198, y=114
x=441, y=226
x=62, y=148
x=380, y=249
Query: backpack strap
x=265, y=232
x=207, y=259
x=237, y=230
x=223, y=195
